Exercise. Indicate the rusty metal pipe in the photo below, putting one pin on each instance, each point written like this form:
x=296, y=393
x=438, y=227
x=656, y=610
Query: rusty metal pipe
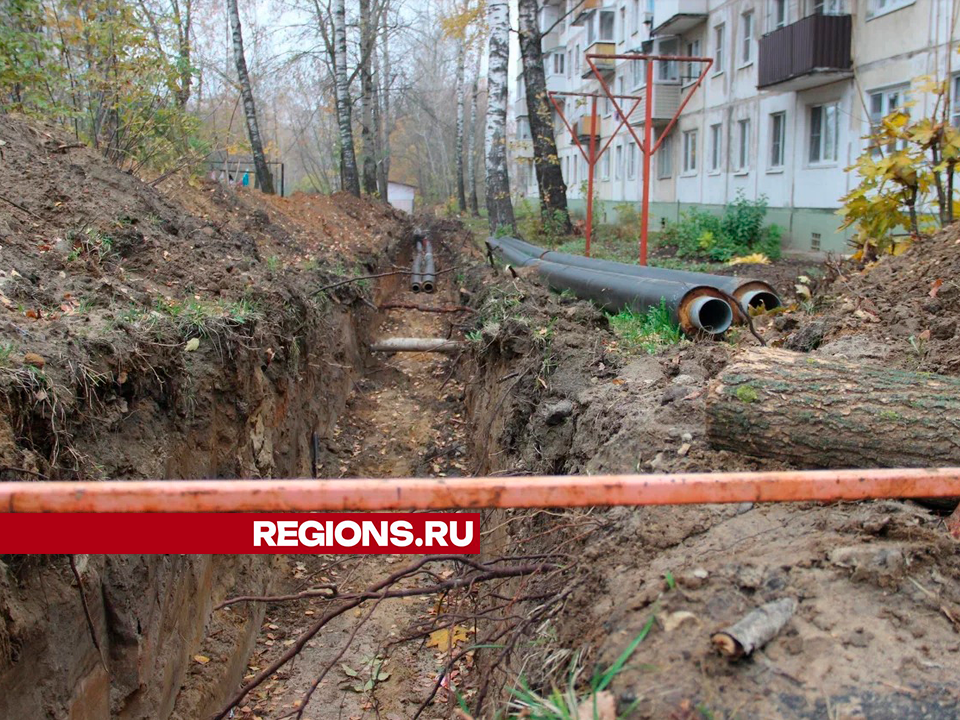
x=484, y=492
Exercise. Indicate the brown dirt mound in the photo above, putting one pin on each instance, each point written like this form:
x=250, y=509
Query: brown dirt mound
x=901, y=310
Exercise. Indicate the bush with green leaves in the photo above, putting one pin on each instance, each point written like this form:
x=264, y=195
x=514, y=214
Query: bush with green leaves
x=739, y=231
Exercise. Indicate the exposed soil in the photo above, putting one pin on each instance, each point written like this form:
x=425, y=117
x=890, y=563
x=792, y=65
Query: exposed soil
x=149, y=337
x=876, y=634
x=404, y=418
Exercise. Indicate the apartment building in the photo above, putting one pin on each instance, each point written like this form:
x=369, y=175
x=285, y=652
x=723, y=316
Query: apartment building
x=794, y=87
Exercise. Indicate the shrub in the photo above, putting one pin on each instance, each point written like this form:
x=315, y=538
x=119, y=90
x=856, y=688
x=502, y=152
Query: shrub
x=739, y=231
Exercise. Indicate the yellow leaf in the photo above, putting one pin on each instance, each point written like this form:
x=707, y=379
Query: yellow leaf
x=754, y=259
x=202, y=659
x=446, y=638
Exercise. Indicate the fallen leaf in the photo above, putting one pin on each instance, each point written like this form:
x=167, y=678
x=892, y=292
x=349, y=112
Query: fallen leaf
x=445, y=638
x=675, y=619
x=202, y=659
x=935, y=287
x=192, y=344
x=602, y=706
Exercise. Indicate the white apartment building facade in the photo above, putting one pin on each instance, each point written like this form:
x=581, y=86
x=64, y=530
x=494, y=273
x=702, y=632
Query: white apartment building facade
x=794, y=87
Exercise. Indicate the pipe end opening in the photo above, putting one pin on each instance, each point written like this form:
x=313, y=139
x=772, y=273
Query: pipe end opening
x=762, y=298
x=712, y=315
x=427, y=287
x=415, y=287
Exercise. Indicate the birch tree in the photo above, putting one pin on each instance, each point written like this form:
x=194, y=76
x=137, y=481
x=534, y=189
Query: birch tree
x=499, y=206
x=350, y=178
x=553, y=191
x=249, y=108
x=472, y=141
x=368, y=24
x=458, y=148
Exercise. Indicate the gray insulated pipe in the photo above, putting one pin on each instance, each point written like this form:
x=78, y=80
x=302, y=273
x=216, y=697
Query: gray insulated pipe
x=750, y=292
x=696, y=308
x=416, y=277
x=429, y=282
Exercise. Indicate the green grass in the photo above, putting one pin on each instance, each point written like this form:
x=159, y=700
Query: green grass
x=7, y=349
x=565, y=703
x=649, y=331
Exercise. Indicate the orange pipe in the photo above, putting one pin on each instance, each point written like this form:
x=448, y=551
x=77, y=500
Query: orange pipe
x=484, y=492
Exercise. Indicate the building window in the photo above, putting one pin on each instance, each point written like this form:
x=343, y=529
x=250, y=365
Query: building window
x=718, y=36
x=558, y=63
x=743, y=147
x=576, y=60
x=605, y=167
x=955, y=103
x=824, y=132
x=827, y=7
x=523, y=128
x=636, y=71
x=600, y=27
x=668, y=70
x=884, y=102
x=637, y=19
x=618, y=163
x=778, y=14
x=665, y=158
x=693, y=69
x=882, y=7
x=623, y=24
x=690, y=151
x=746, y=28
x=569, y=63
x=778, y=135
x=716, y=146
x=631, y=161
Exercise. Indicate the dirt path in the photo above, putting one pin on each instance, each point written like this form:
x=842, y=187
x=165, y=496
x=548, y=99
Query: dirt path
x=403, y=418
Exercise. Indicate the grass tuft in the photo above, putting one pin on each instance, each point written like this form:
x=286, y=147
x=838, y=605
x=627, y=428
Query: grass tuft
x=649, y=331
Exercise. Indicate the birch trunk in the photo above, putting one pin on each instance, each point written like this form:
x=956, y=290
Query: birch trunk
x=386, y=122
x=458, y=148
x=249, y=108
x=499, y=206
x=348, y=158
x=367, y=98
x=472, y=143
x=553, y=191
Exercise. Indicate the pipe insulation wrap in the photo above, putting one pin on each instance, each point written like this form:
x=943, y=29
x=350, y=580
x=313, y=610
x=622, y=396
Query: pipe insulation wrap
x=750, y=292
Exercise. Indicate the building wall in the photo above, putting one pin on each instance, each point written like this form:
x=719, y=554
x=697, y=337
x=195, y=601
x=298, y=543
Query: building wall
x=891, y=47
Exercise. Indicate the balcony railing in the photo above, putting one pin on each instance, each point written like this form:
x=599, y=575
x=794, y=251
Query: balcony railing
x=666, y=102
x=807, y=53
x=673, y=17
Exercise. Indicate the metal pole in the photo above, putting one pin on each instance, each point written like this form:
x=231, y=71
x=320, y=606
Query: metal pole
x=590, y=164
x=647, y=154
x=167, y=496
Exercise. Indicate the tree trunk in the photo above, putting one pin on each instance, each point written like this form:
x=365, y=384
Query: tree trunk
x=553, y=191
x=822, y=413
x=349, y=177
x=386, y=120
x=249, y=109
x=183, y=20
x=458, y=147
x=367, y=99
x=499, y=206
x=472, y=143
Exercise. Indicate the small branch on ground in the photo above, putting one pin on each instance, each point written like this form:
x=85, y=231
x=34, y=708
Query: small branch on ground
x=483, y=572
x=425, y=308
x=327, y=592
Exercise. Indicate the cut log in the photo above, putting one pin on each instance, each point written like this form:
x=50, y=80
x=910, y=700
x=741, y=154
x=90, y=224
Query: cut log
x=755, y=629
x=439, y=345
x=816, y=412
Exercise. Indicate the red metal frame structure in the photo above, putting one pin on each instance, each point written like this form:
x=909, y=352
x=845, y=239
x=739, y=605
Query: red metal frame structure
x=592, y=157
x=647, y=147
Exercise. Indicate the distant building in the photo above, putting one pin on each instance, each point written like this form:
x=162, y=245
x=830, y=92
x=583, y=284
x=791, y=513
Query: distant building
x=401, y=195
x=795, y=86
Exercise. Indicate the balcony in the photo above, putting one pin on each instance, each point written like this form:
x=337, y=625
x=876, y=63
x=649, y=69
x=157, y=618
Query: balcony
x=550, y=41
x=810, y=52
x=587, y=126
x=666, y=102
x=604, y=65
x=675, y=17
x=583, y=12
